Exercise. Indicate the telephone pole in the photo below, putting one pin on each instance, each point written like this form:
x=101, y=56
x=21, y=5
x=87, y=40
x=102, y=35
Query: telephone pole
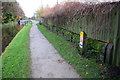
x=57, y=2
x=41, y=4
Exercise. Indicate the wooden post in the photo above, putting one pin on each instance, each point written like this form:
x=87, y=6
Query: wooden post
x=116, y=51
x=108, y=53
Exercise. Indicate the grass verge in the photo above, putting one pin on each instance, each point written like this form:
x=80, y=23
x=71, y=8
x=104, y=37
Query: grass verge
x=86, y=68
x=16, y=58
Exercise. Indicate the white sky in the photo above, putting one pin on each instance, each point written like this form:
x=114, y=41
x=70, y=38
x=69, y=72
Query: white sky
x=30, y=6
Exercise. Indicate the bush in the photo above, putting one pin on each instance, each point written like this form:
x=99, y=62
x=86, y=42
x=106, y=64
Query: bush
x=94, y=48
x=9, y=31
x=7, y=17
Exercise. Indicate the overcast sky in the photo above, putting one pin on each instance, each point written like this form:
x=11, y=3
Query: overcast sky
x=30, y=6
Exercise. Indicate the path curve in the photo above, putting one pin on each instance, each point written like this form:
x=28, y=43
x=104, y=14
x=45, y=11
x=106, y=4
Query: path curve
x=45, y=60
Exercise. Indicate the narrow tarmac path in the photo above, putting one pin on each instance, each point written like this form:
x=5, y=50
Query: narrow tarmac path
x=45, y=60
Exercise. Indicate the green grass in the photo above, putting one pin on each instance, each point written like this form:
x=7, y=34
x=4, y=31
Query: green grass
x=86, y=68
x=16, y=58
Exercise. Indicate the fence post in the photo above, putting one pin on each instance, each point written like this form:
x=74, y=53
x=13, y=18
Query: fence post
x=116, y=52
x=108, y=53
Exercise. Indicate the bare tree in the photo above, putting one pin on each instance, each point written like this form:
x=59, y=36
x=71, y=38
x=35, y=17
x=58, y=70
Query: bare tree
x=13, y=8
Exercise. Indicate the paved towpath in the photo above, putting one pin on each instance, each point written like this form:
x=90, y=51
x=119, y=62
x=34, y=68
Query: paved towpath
x=45, y=60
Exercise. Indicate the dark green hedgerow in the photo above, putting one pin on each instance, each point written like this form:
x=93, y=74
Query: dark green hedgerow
x=93, y=47
x=9, y=31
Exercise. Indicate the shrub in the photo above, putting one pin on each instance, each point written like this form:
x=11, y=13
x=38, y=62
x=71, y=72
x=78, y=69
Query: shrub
x=9, y=31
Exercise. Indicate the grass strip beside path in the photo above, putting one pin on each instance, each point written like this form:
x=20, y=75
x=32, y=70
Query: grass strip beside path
x=86, y=68
x=16, y=58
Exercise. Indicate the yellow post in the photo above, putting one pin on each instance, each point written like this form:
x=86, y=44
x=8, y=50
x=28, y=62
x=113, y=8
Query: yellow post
x=82, y=43
x=81, y=39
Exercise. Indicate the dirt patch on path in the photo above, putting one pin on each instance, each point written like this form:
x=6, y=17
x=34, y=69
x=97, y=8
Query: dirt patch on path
x=45, y=60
